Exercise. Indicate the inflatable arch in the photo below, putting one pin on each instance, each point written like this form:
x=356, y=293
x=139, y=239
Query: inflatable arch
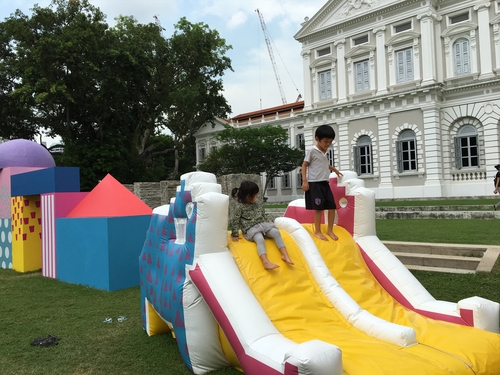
x=320, y=316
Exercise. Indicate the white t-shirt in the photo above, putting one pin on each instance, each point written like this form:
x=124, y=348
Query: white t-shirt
x=317, y=170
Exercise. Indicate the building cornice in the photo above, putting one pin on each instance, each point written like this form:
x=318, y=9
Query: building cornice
x=341, y=25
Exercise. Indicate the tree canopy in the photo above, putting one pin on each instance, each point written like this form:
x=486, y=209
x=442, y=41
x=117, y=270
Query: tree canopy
x=253, y=150
x=110, y=92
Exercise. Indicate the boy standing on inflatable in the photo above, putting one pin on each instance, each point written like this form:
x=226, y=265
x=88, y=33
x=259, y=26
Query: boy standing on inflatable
x=316, y=181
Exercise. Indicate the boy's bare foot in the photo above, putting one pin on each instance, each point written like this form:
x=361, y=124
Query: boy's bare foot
x=320, y=235
x=333, y=236
x=270, y=266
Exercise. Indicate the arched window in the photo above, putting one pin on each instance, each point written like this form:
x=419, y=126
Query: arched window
x=331, y=156
x=406, y=148
x=363, y=156
x=461, y=57
x=466, y=147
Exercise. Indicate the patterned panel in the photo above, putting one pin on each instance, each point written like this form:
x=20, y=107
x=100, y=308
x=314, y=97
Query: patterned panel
x=26, y=233
x=5, y=243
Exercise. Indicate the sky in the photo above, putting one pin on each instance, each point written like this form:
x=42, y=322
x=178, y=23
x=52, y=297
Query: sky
x=252, y=85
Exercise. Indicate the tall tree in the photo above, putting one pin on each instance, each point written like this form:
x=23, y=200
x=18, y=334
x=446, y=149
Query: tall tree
x=253, y=150
x=108, y=92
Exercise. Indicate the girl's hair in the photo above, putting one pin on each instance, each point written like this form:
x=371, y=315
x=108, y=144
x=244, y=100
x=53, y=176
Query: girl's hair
x=246, y=189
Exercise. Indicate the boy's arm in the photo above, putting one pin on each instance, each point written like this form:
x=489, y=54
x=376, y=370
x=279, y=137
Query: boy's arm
x=333, y=169
x=305, y=183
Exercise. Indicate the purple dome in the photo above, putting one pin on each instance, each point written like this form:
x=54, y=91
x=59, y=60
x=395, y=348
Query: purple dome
x=24, y=153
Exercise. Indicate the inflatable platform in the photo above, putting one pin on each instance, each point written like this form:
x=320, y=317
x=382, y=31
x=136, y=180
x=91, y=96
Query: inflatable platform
x=340, y=309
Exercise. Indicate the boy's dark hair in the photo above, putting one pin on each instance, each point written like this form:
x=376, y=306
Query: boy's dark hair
x=324, y=131
x=246, y=189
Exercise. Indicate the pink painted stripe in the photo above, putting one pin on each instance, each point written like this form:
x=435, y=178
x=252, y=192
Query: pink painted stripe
x=250, y=365
x=398, y=296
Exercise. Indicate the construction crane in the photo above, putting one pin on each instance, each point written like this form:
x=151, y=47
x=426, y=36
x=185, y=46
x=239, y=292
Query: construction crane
x=271, y=55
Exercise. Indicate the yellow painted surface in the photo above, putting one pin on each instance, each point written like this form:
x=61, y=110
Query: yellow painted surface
x=26, y=233
x=478, y=348
x=299, y=310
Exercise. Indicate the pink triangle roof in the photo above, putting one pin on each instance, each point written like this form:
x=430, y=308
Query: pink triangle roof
x=109, y=199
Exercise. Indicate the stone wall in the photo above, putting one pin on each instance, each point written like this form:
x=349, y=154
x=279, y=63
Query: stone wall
x=156, y=194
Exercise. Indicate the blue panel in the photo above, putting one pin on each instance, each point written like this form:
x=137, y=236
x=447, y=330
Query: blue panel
x=6, y=244
x=49, y=180
x=126, y=239
x=82, y=251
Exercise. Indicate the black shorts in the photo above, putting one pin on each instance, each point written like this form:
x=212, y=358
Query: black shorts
x=319, y=196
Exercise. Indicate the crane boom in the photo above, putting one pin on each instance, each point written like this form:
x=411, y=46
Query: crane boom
x=271, y=55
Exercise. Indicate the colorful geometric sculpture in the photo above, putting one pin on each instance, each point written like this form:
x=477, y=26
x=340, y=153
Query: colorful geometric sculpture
x=26, y=234
x=108, y=199
x=54, y=206
x=99, y=241
x=48, y=180
x=24, y=153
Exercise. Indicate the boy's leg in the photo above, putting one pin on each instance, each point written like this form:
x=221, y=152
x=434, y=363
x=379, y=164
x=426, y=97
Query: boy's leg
x=331, y=218
x=261, y=249
x=276, y=235
x=317, y=225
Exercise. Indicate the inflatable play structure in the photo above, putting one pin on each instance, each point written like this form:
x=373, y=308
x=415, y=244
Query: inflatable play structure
x=344, y=307
x=47, y=223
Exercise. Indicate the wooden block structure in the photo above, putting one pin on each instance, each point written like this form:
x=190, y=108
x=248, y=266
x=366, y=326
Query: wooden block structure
x=26, y=189
x=100, y=240
x=54, y=206
x=101, y=252
x=6, y=213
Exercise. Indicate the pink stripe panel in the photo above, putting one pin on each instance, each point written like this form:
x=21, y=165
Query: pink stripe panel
x=398, y=296
x=249, y=364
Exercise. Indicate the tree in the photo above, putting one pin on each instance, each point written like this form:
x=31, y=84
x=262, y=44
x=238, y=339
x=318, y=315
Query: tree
x=110, y=93
x=253, y=150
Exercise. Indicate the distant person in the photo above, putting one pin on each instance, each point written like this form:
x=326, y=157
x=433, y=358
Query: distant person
x=249, y=216
x=316, y=181
x=497, y=184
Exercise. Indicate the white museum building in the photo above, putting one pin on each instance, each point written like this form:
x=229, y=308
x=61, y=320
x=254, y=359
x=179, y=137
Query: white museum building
x=411, y=88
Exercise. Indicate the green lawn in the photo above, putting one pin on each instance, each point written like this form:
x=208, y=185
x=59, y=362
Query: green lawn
x=33, y=306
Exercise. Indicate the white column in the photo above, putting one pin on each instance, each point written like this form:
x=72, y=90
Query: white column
x=428, y=46
x=343, y=143
x=308, y=99
x=484, y=40
x=341, y=71
x=385, y=189
x=381, y=60
x=433, y=153
x=496, y=40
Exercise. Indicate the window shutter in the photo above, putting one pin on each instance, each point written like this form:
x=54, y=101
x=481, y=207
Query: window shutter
x=366, y=76
x=409, y=64
x=399, y=156
x=458, y=153
x=359, y=77
x=458, y=60
x=357, y=164
x=465, y=57
x=369, y=163
x=478, y=152
x=400, y=67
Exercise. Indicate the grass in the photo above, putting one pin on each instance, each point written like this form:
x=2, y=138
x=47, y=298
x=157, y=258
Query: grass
x=34, y=306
